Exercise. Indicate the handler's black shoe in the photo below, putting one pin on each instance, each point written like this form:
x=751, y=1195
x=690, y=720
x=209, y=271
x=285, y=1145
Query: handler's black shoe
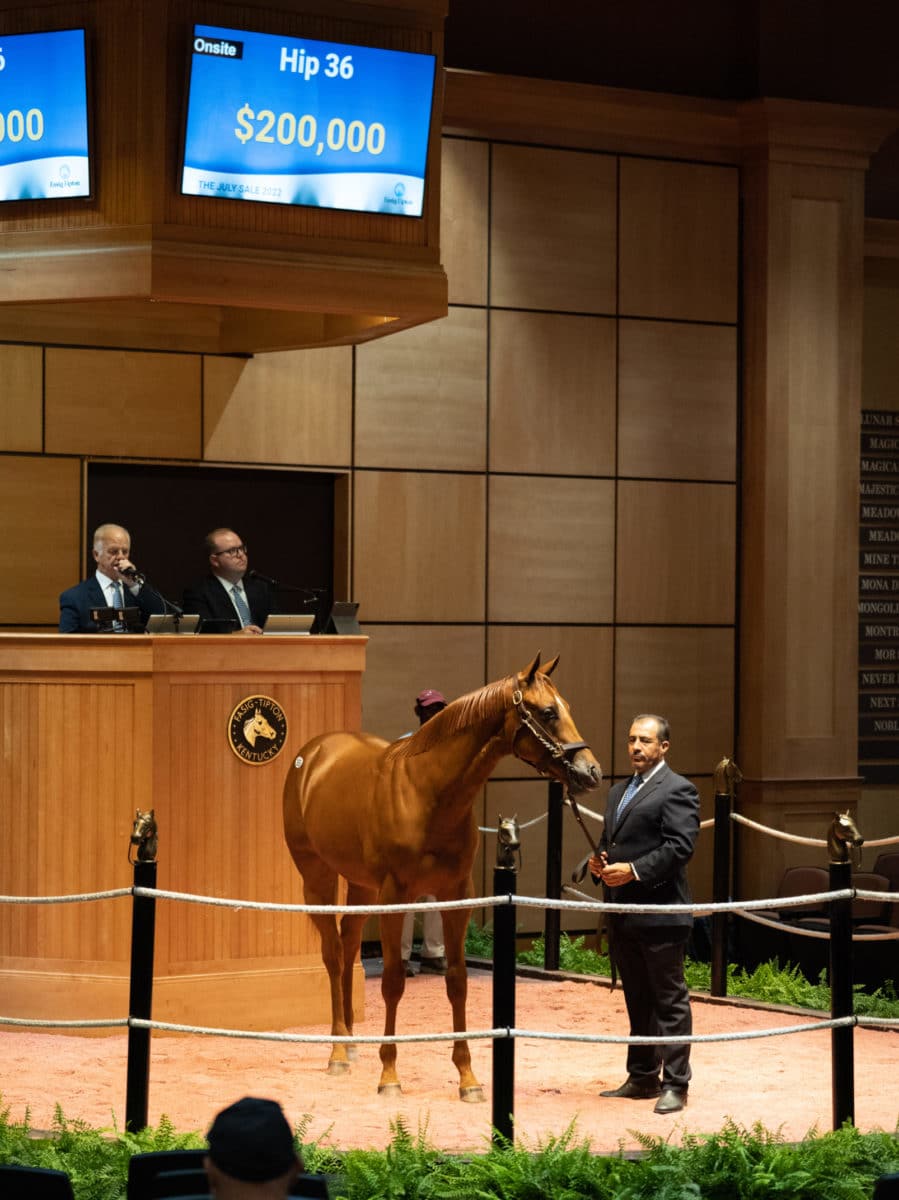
x=630, y=1090
x=432, y=966
x=671, y=1101
x=409, y=969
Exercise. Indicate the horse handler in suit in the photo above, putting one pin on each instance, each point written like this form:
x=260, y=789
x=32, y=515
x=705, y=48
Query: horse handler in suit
x=229, y=591
x=650, y=830
x=115, y=584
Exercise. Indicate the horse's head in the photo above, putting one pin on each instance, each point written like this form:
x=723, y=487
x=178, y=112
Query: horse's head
x=544, y=734
x=144, y=836
x=842, y=834
x=257, y=726
x=508, y=842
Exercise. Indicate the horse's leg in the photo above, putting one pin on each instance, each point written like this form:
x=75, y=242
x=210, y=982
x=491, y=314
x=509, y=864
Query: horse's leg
x=351, y=939
x=455, y=925
x=393, y=984
x=320, y=887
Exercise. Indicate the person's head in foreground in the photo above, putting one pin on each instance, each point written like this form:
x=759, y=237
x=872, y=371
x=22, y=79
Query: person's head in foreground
x=251, y=1151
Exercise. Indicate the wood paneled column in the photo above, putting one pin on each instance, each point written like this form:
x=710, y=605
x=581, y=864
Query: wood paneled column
x=803, y=256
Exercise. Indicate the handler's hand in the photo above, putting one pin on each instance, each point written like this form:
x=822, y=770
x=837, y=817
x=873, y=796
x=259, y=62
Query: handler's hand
x=617, y=874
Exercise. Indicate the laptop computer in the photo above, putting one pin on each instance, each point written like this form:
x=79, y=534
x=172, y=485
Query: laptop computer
x=297, y=623
x=169, y=623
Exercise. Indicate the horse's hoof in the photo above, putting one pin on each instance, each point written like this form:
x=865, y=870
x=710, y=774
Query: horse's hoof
x=338, y=1067
x=472, y=1095
x=390, y=1089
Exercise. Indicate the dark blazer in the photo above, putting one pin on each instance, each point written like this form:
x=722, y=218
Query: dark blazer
x=657, y=834
x=209, y=599
x=75, y=605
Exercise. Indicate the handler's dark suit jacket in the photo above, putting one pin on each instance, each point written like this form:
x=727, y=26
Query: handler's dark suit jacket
x=657, y=833
x=75, y=605
x=209, y=599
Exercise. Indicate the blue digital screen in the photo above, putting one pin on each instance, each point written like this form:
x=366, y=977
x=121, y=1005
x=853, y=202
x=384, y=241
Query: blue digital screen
x=294, y=121
x=43, y=116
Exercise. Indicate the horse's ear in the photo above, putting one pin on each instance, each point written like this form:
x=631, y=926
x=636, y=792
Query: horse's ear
x=531, y=671
x=549, y=667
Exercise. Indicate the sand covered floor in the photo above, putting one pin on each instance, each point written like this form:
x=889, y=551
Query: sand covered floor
x=784, y=1082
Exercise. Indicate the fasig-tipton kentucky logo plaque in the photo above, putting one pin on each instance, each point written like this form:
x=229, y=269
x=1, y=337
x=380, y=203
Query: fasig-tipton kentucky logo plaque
x=257, y=730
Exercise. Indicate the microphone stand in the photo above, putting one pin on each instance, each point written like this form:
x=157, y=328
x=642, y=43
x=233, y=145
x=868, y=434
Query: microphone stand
x=168, y=606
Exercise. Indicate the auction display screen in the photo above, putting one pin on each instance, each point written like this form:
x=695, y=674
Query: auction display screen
x=295, y=121
x=43, y=116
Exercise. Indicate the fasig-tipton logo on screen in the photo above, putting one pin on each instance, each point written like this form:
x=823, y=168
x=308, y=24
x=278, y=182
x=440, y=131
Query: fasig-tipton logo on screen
x=43, y=116
x=294, y=121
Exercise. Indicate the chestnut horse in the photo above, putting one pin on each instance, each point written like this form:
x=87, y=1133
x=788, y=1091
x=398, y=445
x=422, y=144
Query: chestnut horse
x=396, y=820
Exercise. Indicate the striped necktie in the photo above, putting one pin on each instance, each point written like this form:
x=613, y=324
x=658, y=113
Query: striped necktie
x=629, y=793
x=240, y=603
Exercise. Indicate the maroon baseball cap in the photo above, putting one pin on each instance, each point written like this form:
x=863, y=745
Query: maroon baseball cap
x=429, y=697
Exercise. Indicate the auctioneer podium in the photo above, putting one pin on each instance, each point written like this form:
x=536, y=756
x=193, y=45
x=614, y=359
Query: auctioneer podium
x=96, y=727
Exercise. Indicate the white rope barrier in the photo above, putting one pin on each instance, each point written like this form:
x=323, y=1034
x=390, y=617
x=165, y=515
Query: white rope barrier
x=33, y=1022
x=75, y=899
x=777, y=833
x=526, y=825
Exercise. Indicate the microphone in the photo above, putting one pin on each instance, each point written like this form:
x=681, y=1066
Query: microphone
x=133, y=574
x=253, y=574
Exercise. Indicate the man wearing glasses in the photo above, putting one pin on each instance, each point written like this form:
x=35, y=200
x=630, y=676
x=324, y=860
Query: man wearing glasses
x=229, y=591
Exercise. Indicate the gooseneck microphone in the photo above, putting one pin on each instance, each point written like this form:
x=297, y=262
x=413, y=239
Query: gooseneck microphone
x=309, y=593
x=133, y=574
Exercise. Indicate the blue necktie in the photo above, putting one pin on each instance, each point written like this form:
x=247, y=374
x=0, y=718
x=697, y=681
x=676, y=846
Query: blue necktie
x=243, y=609
x=629, y=793
x=118, y=601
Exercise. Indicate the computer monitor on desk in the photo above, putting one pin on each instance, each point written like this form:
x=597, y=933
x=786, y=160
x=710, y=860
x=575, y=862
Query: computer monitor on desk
x=172, y=623
x=295, y=623
x=342, y=617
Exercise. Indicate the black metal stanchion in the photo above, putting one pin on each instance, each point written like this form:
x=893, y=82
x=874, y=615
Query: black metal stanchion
x=140, y=1001
x=841, y=997
x=504, y=921
x=720, y=893
x=552, y=917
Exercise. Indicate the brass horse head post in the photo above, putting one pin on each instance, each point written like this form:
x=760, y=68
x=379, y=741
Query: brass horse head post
x=144, y=835
x=843, y=836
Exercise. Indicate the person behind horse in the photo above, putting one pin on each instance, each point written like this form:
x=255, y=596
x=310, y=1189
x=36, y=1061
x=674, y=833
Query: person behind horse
x=251, y=1153
x=433, y=952
x=650, y=830
x=229, y=592
x=110, y=586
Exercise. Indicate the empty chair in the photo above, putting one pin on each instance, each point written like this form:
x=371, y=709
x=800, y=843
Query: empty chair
x=888, y=865
x=167, y=1184
x=801, y=881
x=144, y=1168
x=34, y=1183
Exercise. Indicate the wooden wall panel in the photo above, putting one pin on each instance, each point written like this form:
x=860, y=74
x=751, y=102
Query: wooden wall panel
x=880, y=349
x=538, y=260
x=677, y=393
x=419, y=546
x=21, y=398
x=686, y=675
x=122, y=403
x=464, y=205
x=291, y=407
x=421, y=396
x=584, y=676
x=552, y=394
x=679, y=241
x=676, y=553
x=550, y=549
x=401, y=660
x=40, y=550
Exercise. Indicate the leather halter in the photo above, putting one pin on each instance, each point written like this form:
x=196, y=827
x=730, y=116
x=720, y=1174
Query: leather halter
x=561, y=752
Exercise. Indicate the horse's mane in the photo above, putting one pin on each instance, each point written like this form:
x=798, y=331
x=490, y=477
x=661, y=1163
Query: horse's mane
x=486, y=702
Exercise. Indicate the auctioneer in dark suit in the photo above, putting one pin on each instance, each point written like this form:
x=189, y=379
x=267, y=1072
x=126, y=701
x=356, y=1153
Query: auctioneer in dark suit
x=656, y=834
x=75, y=605
x=210, y=600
